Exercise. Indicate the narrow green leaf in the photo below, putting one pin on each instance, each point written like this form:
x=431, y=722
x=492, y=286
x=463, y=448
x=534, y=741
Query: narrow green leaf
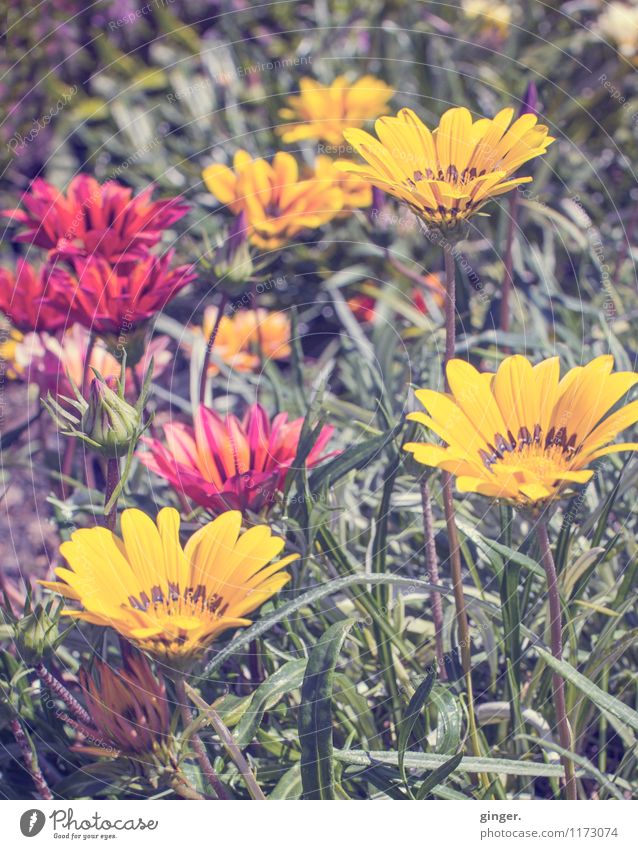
x=417, y=760
x=410, y=718
x=439, y=775
x=599, y=697
x=285, y=679
x=315, y=714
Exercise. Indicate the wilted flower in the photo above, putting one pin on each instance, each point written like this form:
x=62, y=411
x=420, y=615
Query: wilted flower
x=278, y=204
x=118, y=299
x=105, y=220
x=324, y=112
x=25, y=297
x=246, y=338
x=227, y=463
x=171, y=602
x=447, y=175
x=128, y=708
x=523, y=434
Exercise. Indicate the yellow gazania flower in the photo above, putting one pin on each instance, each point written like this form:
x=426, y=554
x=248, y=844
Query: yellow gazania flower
x=278, y=204
x=169, y=601
x=246, y=338
x=448, y=174
x=619, y=22
x=324, y=112
x=357, y=193
x=523, y=434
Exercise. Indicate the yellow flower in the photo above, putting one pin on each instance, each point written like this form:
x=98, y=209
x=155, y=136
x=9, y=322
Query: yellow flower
x=324, y=112
x=523, y=434
x=619, y=22
x=448, y=174
x=169, y=601
x=357, y=193
x=246, y=338
x=277, y=203
x=493, y=17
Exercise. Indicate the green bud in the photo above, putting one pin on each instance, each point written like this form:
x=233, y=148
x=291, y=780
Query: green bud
x=109, y=420
x=232, y=263
x=106, y=421
x=37, y=634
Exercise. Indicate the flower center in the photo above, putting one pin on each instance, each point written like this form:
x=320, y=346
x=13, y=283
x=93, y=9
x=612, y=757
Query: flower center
x=193, y=601
x=541, y=455
x=450, y=175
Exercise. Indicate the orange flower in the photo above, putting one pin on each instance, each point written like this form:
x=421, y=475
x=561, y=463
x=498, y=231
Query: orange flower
x=323, y=112
x=277, y=203
x=247, y=338
x=357, y=193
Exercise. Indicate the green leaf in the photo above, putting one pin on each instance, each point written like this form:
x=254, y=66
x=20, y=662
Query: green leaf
x=599, y=697
x=289, y=785
x=448, y=729
x=410, y=719
x=315, y=714
x=417, y=760
x=355, y=457
x=285, y=679
x=439, y=775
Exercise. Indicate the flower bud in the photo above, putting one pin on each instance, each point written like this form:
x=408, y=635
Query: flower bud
x=109, y=420
x=530, y=100
x=106, y=421
x=232, y=263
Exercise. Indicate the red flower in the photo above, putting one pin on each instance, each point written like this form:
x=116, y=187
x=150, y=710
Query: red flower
x=24, y=297
x=118, y=298
x=225, y=464
x=93, y=219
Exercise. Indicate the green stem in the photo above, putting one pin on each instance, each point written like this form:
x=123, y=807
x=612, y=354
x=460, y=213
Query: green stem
x=450, y=516
x=556, y=630
x=432, y=565
x=210, y=344
x=112, y=480
x=196, y=741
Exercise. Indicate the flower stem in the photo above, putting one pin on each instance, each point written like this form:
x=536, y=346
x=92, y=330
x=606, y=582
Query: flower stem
x=450, y=517
x=432, y=565
x=506, y=288
x=556, y=630
x=229, y=743
x=209, y=347
x=112, y=480
x=69, y=451
x=30, y=763
x=58, y=688
x=196, y=741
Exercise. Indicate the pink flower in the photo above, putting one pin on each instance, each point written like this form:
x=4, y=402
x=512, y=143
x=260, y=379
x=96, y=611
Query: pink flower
x=227, y=464
x=111, y=299
x=90, y=218
x=24, y=297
